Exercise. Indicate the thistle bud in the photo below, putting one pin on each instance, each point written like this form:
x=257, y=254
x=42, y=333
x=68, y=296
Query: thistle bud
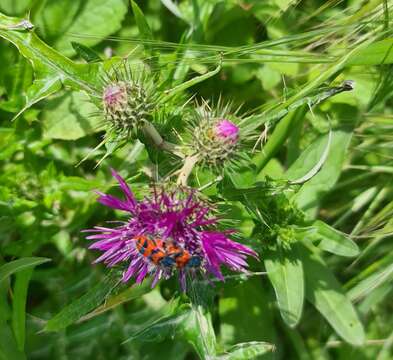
x=227, y=130
x=215, y=139
x=127, y=101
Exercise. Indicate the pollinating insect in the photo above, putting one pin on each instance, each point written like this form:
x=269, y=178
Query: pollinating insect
x=169, y=232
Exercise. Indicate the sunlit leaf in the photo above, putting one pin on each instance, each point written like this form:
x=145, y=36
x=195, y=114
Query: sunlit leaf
x=325, y=293
x=80, y=307
x=334, y=241
x=285, y=272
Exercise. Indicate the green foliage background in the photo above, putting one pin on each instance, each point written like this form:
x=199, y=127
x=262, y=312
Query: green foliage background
x=317, y=293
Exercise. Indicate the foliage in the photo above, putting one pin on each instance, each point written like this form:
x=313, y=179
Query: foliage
x=308, y=84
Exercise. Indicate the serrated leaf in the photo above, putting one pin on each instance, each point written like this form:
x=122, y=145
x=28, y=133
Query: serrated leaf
x=19, y=265
x=285, y=272
x=326, y=294
x=80, y=307
x=51, y=69
x=334, y=241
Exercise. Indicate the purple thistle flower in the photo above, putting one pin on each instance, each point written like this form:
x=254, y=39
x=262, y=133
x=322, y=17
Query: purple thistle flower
x=114, y=96
x=171, y=230
x=227, y=130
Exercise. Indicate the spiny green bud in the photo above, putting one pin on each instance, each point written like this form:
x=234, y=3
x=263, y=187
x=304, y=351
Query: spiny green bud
x=215, y=140
x=127, y=100
x=126, y=106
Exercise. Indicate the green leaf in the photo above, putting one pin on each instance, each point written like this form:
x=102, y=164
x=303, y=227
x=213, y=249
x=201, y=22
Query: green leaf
x=285, y=272
x=198, y=331
x=85, y=52
x=246, y=351
x=245, y=314
x=51, y=69
x=41, y=88
x=80, y=307
x=15, y=7
x=326, y=294
x=8, y=347
x=118, y=299
x=369, y=284
x=309, y=195
x=71, y=117
x=190, y=323
x=185, y=85
x=144, y=28
x=99, y=18
x=145, y=34
x=334, y=241
x=378, y=53
x=19, y=306
x=19, y=265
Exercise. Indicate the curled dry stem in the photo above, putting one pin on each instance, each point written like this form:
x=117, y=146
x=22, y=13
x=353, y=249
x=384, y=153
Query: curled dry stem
x=186, y=170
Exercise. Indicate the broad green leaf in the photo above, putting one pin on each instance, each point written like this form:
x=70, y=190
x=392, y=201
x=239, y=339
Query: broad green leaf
x=15, y=7
x=285, y=272
x=19, y=306
x=378, y=53
x=334, y=241
x=19, y=265
x=246, y=351
x=198, y=331
x=314, y=170
x=97, y=18
x=71, y=117
x=309, y=195
x=326, y=294
x=8, y=347
x=245, y=314
x=80, y=307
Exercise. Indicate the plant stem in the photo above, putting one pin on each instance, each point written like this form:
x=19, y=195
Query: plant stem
x=159, y=142
x=186, y=170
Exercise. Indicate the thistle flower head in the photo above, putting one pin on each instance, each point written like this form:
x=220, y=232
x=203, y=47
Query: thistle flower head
x=215, y=138
x=167, y=232
x=127, y=100
x=227, y=130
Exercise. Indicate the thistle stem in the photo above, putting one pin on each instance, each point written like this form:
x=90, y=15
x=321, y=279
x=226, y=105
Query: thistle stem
x=159, y=142
x=186, y=170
